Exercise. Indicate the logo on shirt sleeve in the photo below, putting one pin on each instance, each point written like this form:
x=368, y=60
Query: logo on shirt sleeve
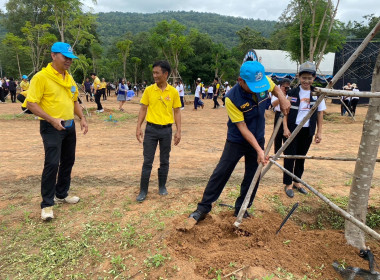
x=293, y=99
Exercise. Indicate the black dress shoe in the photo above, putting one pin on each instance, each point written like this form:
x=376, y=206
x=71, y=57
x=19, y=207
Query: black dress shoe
x=245, y=216
x=300, y=189
x=289, y=192
x=198, y=215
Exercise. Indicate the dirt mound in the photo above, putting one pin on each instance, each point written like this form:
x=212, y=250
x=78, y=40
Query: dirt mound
x=217, y=248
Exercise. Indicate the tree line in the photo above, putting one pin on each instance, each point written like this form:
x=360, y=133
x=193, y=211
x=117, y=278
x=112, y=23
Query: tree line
x=205, y=45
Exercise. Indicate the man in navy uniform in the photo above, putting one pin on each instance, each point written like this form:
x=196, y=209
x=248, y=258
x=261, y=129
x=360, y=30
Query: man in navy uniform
x=245, y=103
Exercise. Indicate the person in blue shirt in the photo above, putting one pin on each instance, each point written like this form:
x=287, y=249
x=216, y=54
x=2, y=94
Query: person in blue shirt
x=245, y=104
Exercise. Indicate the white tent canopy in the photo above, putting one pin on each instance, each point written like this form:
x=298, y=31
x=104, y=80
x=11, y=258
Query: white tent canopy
x=279, y=62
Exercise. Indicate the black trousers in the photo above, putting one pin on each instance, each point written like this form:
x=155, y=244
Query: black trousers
x=108, y=92
x=103, y=90
x=59, y=159
x=279, y=136
x=2, y=99
x=216, y=103
x=153, y=137
x=299, y=146
x=182, y=102
x=98, y=94
x=354, y=103
x=232, y=153
x=13, y=96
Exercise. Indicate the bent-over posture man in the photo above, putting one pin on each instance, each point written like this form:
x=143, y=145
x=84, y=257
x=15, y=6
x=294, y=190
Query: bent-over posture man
x=245, y=103
x=157, y=104
x=53, y=97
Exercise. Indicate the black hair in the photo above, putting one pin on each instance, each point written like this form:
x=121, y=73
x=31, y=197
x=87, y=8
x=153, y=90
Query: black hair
x=285, y=81
x=93, y=73
x=164, y=65
x=216, y=79
x=120, y=80
x=11, y=78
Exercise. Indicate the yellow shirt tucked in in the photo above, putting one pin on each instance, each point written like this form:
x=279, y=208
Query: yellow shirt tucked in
x=24, y=85
x=160, y=104
x=234, y=113
x=53, y=93
x=96, y=83
x=103, y=85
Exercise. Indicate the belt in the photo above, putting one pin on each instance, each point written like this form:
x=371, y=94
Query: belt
x=158, y=125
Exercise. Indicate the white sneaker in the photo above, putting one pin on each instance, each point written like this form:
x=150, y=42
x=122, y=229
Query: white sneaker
x=47, y=213
x=67, y=199
x=101, y=111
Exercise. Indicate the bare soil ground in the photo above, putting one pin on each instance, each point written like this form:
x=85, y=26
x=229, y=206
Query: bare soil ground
x=108, y=235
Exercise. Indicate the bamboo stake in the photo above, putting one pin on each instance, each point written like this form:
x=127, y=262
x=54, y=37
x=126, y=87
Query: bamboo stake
x=319, y=158
x=343, y=213
x=336, y=92
x=244, y=206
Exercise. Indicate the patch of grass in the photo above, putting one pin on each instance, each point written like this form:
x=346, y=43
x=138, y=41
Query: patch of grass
x=279, y=206
x=118, y=265
x=38, y=252
x=373, y=218
x=156, y=260
x=283, y=274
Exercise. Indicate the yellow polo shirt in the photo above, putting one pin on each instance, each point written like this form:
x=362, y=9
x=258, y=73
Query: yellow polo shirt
x=96, y=83
x=103, y=85
x=160, y=104
x=24, y=85
x=51, y=95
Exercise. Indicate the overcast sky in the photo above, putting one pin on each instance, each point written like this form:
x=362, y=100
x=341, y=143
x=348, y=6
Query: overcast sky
x=256, y=9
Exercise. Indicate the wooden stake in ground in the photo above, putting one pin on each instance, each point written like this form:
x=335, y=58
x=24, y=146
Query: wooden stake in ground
x=345, y=215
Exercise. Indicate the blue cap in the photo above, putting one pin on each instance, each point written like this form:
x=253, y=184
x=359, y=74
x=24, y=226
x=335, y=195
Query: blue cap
x=253, y=73
x=63, y=48
x=25, y=77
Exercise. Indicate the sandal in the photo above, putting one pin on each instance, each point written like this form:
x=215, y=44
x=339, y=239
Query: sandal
x=289, y=192
x=300, y=189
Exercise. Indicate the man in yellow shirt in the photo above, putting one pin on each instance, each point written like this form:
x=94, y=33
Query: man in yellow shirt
x=53, y=97
x=98, y=92
x=157, y=105
x=103, y=86
x=246, y=105
x=216, y=87
x=24, y=85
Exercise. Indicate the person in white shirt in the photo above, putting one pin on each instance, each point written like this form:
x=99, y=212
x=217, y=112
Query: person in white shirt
x=301, y=101
x=181, y=92
x=284, y=86
x=210, y=92
x=354, y=99
x=198, y=92
x=226, y=90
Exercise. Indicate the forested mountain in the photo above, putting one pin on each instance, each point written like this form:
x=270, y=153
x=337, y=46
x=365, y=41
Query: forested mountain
x=222, y=29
